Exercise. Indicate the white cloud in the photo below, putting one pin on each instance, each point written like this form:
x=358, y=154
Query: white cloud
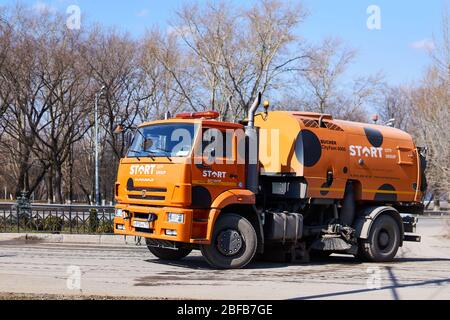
x=143, y=13
x=424, y=44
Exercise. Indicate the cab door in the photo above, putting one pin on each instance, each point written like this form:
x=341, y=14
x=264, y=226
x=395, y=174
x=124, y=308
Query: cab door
x=215, y=168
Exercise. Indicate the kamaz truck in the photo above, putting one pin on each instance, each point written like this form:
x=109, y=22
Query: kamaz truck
x=280, y=185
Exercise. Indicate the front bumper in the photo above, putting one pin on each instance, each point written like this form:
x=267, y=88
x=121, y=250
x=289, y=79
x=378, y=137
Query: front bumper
x=186, y=232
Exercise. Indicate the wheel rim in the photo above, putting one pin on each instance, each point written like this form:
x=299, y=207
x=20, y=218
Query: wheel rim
x=384, y=240
x=230, y=242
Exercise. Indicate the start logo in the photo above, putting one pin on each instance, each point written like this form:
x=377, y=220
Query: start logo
x=368, y=152
x=214, y=174
x=141, y=170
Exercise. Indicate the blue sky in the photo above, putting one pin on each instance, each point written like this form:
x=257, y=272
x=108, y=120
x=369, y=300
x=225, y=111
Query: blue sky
x=398, y=49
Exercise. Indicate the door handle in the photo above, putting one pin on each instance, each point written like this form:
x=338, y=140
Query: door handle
x=204, y=167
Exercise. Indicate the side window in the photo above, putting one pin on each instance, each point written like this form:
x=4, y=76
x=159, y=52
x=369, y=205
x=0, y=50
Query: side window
x=216, y=144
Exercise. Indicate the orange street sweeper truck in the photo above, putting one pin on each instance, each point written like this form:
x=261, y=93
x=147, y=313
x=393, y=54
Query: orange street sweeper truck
x=280, y=185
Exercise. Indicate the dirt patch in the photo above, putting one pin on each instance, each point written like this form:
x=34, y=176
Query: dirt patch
x=21, y=241
x=43, y=297
x=446, y=233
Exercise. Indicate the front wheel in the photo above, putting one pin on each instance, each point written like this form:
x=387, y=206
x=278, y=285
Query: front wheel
x=233, y=245
x=169, y=254
x=383, y=242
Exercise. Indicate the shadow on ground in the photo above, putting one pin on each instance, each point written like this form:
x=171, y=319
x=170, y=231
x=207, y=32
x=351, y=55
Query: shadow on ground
x=198, y=263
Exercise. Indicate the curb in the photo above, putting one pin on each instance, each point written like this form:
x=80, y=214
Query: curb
x=64, y=238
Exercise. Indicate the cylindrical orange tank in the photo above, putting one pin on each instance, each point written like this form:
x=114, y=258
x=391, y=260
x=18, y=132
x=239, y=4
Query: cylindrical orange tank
x=383, y=162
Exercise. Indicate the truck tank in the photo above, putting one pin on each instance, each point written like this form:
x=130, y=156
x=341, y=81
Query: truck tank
x=382, y=162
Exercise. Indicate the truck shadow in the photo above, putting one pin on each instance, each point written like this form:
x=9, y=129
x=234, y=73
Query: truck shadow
x=198, y=263
x=440, y=283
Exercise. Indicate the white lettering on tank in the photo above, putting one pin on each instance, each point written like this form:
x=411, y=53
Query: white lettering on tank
x=360, y=151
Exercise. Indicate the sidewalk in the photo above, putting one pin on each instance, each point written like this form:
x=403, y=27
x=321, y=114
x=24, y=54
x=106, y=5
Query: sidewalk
x=67, y=238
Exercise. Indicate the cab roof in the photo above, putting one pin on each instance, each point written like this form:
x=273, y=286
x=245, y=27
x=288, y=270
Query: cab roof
x=207, y=123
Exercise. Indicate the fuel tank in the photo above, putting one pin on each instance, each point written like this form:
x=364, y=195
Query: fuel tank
x=383, y=162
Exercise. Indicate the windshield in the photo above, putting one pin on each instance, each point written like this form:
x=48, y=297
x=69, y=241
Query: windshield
x=163, y=140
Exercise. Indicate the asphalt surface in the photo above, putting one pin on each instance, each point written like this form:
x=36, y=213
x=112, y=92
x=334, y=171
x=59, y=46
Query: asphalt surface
x=42, y=270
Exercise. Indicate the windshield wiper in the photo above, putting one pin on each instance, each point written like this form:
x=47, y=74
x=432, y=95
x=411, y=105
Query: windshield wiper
x=148, y=153
x=166, y=151
x=152, y=154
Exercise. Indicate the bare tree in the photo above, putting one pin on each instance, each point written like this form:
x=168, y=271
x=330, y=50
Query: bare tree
x=113, y=59
x=320, y=86
x=322, y=70
x=22, y=82
x=395, y=104
x=237, y=52
x=432, y=106
x=162, y=64
x=441, y=52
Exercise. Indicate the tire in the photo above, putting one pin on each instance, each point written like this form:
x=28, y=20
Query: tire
x=169, y=254
x=383, y=242
x=234, y=243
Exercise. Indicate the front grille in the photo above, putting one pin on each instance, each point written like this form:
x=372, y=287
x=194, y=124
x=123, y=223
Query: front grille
x=161, y=243
x=158, y=190
x=141, y=216
x=140, y=230
x=149, y=198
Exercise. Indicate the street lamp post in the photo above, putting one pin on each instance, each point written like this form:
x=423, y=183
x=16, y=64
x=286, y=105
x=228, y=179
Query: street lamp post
x=97, y=178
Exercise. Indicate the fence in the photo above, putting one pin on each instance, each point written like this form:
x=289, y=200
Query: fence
x=69, y=219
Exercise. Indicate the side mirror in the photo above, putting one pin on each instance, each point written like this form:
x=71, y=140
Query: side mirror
x=120, y=129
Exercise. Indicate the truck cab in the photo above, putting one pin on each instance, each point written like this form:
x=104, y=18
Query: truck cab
x=178, y=175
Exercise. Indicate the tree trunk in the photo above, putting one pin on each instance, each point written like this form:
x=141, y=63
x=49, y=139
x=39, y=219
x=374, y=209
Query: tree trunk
x=21, y=178
x=49, y=185
x=58, y=184
x=437, y=202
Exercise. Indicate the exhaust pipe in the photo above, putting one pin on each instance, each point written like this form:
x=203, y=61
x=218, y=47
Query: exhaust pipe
x=252, y=148
x=253, y=109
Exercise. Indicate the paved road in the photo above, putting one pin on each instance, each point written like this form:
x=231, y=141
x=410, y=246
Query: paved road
x=421, y=271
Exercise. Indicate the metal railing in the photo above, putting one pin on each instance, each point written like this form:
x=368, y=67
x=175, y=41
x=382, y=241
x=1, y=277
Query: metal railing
x=70, y=219
x=440, y=213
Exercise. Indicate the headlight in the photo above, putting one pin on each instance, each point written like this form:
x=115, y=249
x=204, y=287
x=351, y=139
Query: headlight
x=171, y=233
x=175, y=218
x=119, y=213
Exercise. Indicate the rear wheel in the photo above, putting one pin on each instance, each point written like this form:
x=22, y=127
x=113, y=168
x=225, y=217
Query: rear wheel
x=234, y=243
x=169, y=254
x=383, y=242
